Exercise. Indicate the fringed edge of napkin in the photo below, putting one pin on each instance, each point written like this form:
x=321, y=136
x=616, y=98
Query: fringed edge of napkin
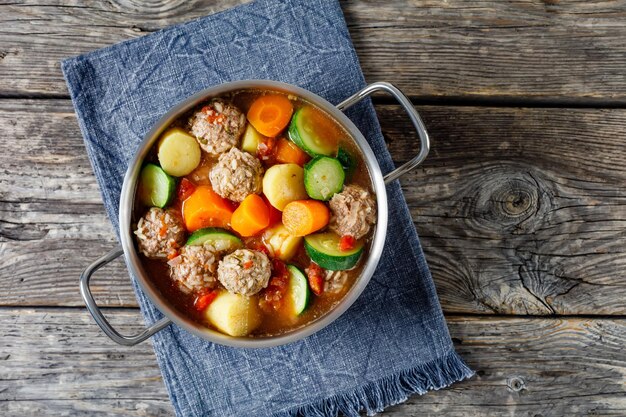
x=391, y=390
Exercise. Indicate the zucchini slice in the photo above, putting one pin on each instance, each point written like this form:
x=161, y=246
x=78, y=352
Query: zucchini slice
x=312, y=132
x=156, y=187
x=323, y=177
x=323, y=249
x=221, y=239
x=298, y=289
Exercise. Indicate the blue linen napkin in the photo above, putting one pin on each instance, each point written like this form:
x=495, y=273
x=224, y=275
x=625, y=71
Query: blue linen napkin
x=393, y=341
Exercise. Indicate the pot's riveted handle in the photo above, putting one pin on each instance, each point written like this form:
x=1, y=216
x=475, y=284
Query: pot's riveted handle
x=104, y=324
x=413, y=115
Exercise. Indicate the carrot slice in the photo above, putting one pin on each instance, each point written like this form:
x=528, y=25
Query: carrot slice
x=251, y=216
x=276, y=215
x=270, y=114
x=303, y=217
x=204, y=208
x=288, y=152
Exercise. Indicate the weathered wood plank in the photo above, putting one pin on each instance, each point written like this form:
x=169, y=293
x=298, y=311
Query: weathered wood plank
x=520, y=211
x=58, y=361
x=568, y=50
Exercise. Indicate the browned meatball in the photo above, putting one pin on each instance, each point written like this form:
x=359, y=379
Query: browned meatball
x=244, y=271
x=236, y=175
x=353, y=212
x=218, y=126
x=194, y=269
x=160, y=233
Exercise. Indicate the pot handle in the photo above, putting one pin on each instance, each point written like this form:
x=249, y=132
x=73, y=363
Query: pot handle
x=96, y=313
x=413, y=115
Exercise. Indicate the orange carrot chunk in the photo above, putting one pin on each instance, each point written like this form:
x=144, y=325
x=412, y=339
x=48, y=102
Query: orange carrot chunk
x=303, y=217
x=288, y=152
x=270, y=114
x=251, y=216
x=205, y=208
x=276, y=215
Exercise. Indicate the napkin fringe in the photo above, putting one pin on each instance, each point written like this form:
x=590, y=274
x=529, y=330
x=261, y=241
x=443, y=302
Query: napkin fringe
x=394, y=389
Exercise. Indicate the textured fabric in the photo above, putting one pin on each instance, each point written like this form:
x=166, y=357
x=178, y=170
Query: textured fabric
x=393, y=341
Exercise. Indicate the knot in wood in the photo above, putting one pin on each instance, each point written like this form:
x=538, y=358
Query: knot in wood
x=515, y=384
x=507, y=201
x=512, y=200
x=517, y=202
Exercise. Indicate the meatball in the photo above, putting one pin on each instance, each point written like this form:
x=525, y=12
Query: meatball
x=353, y=212
x=160, y=233
x=195, y=268
x=244, y=271
x=236, y=175
x=218, y=126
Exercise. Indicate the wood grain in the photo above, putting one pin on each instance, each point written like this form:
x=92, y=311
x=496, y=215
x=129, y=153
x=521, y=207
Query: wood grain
x=520, y=211
x=56, y=361
x=557, y=51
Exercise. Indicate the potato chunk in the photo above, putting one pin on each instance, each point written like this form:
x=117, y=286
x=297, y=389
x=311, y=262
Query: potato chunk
x=251, y=140
x=284, y=183
x=179, y=152
x=234, y=314
x=282, y=243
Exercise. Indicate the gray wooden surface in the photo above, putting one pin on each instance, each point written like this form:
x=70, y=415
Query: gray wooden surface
x=521, y=205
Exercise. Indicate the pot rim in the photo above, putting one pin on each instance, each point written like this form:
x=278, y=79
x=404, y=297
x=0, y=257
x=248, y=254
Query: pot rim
x=127, y=199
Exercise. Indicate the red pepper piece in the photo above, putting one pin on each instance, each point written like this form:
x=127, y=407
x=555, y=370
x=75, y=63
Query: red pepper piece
x=185, y=189
x=203, y=300
x=346, y=242
x=315, y=274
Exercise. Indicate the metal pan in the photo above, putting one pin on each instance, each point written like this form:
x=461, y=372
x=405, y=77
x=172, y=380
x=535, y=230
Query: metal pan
x=171, y=314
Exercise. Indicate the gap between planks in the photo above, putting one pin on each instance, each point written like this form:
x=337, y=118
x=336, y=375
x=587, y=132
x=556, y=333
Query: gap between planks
x=461, y=315
x=377, y=99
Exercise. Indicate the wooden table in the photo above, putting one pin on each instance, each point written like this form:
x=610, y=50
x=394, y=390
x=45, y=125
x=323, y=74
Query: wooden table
x=521, y=205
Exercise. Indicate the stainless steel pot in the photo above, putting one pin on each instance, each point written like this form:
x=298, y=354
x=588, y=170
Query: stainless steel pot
x=128, y=198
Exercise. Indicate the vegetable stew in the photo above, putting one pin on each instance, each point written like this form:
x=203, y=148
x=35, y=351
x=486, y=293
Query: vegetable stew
x=254, y=213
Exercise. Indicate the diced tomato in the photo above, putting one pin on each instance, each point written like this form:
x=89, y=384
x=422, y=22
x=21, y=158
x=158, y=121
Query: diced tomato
x=272, y=296
x=272, y=299
x=315, y=269
x=279, y=282
x=267, y=151
x=172, y=255
x=185, y=189
x=215, y=118
x=212, y=116
x=316, y=283
x=346, y=243
x=315, y=274
x=203, y=300
x=248, y=264
x=279, y=268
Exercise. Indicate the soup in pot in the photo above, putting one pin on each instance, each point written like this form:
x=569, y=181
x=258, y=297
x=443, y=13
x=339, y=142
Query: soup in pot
x=254, y=212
